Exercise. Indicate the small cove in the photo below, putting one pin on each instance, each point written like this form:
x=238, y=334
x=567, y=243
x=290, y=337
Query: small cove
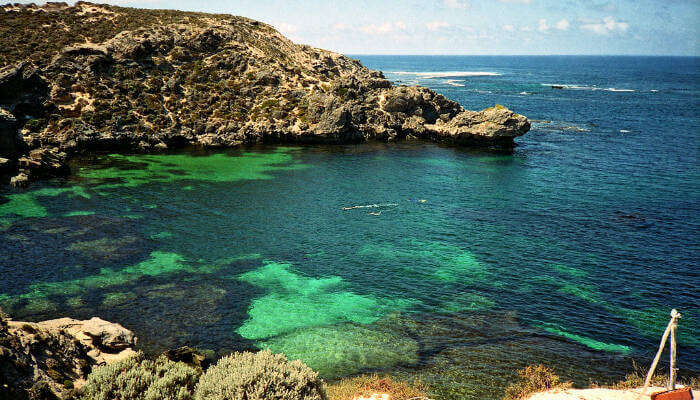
x=471, y=262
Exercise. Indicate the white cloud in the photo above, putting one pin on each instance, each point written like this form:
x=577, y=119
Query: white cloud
x=455, y=4
x=525, y=29
x=340, y=26
x=543, y=26
x=606, y=26
x=516, y=1
x=562, y=25
x=383, y=29
x=435, y=25
x=508, y=28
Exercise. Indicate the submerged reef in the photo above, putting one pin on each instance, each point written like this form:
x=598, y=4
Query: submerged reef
x=99, y=77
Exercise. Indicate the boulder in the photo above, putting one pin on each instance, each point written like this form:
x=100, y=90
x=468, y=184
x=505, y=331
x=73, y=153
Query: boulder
x=108, y=336
x=40, y=163
x=492, y=126
x=185, y=354
x=51, y=358
x=20, y=180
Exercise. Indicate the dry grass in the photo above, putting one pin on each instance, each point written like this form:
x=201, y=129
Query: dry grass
x=367, y=385
x=533, y=379
x=636, y=379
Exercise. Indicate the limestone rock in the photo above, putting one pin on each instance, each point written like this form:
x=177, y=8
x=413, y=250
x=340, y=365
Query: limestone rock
x=107, y=336
x=20, y=180
x=495, y=125
x=56, y=356
x=40, y=163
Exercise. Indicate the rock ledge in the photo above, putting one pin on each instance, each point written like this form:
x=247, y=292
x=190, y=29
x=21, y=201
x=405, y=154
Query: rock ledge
x=50, y=358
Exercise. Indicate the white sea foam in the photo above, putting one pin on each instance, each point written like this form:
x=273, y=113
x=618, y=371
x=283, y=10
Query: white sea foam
x=612, y=89
x=454, y=82
x=653, y=90
x=572, y=87
x=479, y=91
x=583, y=87
x=444, y=74
x=624, y=131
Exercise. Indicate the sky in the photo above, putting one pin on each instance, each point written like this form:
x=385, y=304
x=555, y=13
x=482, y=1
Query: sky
x=498, y=27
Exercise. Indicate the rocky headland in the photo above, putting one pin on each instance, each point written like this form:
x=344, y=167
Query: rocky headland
x=90, y=77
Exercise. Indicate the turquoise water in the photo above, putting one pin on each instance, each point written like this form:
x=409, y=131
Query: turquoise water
x=451, y=265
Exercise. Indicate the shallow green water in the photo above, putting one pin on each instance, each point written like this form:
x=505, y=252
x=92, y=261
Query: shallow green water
x=459, y=268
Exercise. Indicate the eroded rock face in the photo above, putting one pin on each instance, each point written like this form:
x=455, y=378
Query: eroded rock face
x=495, y=125
x=49, y=359
x=214, y=81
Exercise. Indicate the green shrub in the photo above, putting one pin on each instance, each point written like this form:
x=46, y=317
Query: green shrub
x=138, y=378
x=259, y=376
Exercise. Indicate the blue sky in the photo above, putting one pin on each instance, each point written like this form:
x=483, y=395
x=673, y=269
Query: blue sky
x=656, y=27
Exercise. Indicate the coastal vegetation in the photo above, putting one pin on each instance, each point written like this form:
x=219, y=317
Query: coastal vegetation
x=58, y=360
x=533, y=379
x=138, y=378
x=261, y=375
x=368, y=385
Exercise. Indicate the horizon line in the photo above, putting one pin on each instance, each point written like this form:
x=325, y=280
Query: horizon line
x=517, y=55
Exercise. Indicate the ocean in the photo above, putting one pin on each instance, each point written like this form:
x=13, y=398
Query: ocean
x=451, y=265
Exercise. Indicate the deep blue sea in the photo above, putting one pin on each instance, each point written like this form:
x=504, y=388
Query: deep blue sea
x=456, y=266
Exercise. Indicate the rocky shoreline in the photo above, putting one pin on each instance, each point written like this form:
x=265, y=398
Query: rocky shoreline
x=150, y=80
x=51, y=358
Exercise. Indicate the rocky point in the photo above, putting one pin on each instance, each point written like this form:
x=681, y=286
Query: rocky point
x=96, y=77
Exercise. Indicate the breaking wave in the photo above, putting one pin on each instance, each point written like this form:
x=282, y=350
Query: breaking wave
x=445, y=74
x=582, y=87
x=454, y=82
x=618, y=90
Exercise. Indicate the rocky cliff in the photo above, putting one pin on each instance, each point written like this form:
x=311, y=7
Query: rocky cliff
x=91, y=77
x=48, y=359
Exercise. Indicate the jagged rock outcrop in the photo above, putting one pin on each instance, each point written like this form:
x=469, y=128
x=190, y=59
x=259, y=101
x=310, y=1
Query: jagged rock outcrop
x=49, y=359
x=155, y=79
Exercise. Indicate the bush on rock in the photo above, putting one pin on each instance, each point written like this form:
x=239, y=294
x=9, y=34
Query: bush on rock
x=259, y=376
x=138, y=378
